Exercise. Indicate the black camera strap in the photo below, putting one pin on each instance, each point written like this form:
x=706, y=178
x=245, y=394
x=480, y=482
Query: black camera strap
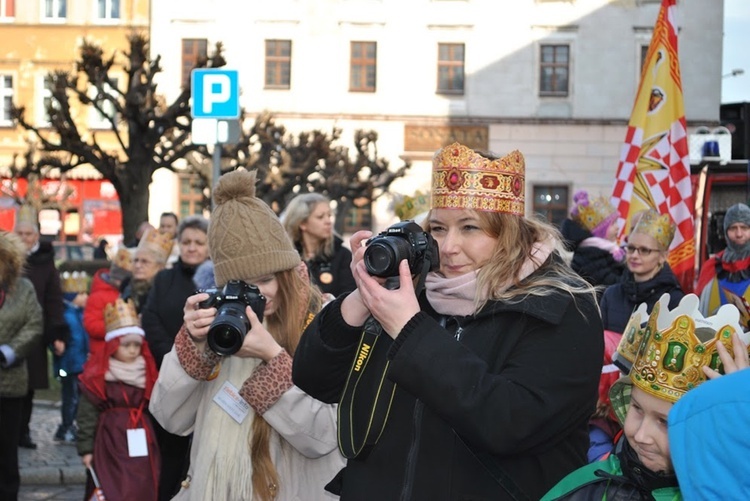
x=366, y=401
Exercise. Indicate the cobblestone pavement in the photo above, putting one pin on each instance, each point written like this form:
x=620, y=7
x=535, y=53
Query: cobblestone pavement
x=51, y=464
x=51, y=492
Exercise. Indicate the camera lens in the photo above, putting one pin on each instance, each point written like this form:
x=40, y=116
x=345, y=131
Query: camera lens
x=383, y=255
x=227, y=331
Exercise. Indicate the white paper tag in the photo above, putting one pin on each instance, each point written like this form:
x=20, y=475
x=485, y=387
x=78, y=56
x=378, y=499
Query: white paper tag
x=229, y=399
x=137, y=446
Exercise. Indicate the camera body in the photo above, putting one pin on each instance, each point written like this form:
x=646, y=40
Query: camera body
x=404, y=240
x=227, y=331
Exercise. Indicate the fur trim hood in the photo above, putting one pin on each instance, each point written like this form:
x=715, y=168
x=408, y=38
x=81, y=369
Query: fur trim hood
x=12, y=259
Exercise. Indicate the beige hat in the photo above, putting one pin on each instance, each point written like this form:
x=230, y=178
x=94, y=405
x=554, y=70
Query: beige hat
x=245, y=237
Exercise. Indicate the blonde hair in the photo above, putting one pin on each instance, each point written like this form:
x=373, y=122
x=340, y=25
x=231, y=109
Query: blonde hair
x=12, y=259
x=295, y=294
x=297, y=212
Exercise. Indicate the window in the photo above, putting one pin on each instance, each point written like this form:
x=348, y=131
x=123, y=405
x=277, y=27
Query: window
x=190, y=197
x=363, y=67
x=108, y=9
x=54, y=10
x=644, y=53
x=193, y=51
x=551, y=202
x=103, y=119
x=450, y=68
x=45, y=93
x=278, y=64
x=554, y=70
x=7, y=9
x=6, y=100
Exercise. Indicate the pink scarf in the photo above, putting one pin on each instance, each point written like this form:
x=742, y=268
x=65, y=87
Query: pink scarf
x=133, y=373
x=602, y=243
x=456, y=296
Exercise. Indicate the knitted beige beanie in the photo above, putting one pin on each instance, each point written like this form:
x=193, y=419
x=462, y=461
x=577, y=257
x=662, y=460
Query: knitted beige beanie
x=245, y=237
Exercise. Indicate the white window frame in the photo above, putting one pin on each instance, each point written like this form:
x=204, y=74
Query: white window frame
x=108, y=5
x=3, y=7
x=55, y=17
x=96, y=119
x=5, y=92
x=44, y=94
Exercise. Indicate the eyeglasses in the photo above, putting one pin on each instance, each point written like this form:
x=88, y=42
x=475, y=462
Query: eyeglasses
x=643, y=251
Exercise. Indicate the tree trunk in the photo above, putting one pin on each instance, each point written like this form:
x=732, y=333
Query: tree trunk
x=134, y=207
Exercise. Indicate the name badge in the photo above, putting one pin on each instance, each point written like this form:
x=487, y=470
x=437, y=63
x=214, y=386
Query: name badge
x=230, y=401
x=137, y=446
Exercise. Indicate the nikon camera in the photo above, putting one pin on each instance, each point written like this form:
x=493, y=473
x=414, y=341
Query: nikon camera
x=227, y=331
x=404, y=240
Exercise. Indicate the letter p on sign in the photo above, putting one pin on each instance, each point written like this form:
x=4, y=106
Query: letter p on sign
x=215, y=94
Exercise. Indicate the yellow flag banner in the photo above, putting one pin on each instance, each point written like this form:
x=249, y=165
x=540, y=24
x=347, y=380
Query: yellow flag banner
x=654, y=167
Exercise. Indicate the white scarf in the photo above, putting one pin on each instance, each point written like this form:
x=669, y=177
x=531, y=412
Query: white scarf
x=132, y=373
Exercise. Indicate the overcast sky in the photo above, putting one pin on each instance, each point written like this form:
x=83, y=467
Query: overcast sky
x=736, y=89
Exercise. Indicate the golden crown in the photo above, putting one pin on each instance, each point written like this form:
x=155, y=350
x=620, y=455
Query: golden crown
x=123, y=259
x=464, y=179
x=632, y=336
x=27, y=214
x=157, y=242
x=678, y=343
x=659, y=226
x=591, y=213
x=77, y=281
x=410, y=207
x=119, y=315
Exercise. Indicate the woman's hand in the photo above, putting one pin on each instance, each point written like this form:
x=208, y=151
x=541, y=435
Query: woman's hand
x=86, y=459
x=731, y=364
x=258, y=342
x=198, y=320
x=391, y=308
x=353, y=310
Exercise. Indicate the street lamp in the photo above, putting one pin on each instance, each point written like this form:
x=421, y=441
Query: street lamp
x=734, y=73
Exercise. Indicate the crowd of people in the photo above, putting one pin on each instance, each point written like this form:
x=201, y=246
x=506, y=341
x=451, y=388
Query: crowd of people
x=473, y=352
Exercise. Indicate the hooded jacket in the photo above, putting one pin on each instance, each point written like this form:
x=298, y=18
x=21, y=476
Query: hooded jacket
x=619, y=300
x=492, y=385
x=102, y=293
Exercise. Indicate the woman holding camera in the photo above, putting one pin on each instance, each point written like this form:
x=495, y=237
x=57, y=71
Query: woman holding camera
x=256, y=435
x=481, y=386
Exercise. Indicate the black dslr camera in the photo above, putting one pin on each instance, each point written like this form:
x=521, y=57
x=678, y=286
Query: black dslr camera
x=227, y=331
x=404, y=240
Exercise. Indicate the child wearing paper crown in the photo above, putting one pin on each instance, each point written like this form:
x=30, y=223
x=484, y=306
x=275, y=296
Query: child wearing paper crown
x=115, y=433
x=676, y=351
x=69, y=365
x=591, y=233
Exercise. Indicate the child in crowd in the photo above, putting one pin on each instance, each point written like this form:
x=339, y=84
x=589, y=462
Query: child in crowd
x=674, y=351
x=69, y=365
x=115, y=433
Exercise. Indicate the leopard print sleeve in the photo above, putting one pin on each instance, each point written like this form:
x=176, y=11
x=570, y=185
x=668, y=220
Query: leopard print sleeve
x=198, y=365
x=268, y=382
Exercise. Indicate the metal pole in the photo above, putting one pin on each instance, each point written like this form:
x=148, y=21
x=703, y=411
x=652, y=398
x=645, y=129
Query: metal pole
x=216, y=173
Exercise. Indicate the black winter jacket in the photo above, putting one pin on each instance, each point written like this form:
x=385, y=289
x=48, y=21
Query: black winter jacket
x=333, y=275
x=519, y=385
x=596, y=266
x=619, y=300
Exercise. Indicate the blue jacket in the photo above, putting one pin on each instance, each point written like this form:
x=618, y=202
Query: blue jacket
x=77, y=347
x=708, y=439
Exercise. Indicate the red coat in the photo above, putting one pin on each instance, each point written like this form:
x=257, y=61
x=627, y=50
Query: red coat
x=102, y=293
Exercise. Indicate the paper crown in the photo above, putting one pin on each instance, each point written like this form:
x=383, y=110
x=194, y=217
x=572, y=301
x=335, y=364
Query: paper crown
x=677, y=344
x=160, y=243
x=410, y=207
x=77, y=281
x=27, y=214
x=120, y=318
x=659, y=226
x=592, y=213
x=123, y=259
x=464, y=179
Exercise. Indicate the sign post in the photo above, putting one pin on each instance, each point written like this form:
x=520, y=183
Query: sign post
x=215, y=96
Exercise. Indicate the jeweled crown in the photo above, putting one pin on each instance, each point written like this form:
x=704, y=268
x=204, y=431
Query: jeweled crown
x=120, y=314
x=677, y=344
x=77, y=281
x=632, y=337
x=123, y=259
x=160, y=243
x=464, y=179
x=591, y=213
x=659, y=226
x=27, y=214
x=410, y=207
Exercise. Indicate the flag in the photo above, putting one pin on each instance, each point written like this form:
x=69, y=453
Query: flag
x=654, y=167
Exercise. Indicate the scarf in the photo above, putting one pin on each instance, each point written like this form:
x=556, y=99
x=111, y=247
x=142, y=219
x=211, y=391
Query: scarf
x=457, y=295
x=133, y=373
x=735, y=252
x=602, y=243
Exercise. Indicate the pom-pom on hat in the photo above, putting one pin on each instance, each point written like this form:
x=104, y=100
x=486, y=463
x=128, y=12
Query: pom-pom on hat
x=595, y=215
x=245, y=238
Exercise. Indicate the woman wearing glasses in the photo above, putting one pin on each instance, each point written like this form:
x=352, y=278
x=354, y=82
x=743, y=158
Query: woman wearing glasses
x=648, y=275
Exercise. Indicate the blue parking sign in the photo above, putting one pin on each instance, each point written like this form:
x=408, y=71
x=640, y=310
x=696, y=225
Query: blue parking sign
x=215, y=93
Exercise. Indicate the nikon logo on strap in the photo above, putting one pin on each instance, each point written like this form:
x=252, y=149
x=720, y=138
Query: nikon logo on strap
x=364, y=352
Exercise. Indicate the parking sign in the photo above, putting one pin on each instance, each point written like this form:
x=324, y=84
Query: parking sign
x=215, y=93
